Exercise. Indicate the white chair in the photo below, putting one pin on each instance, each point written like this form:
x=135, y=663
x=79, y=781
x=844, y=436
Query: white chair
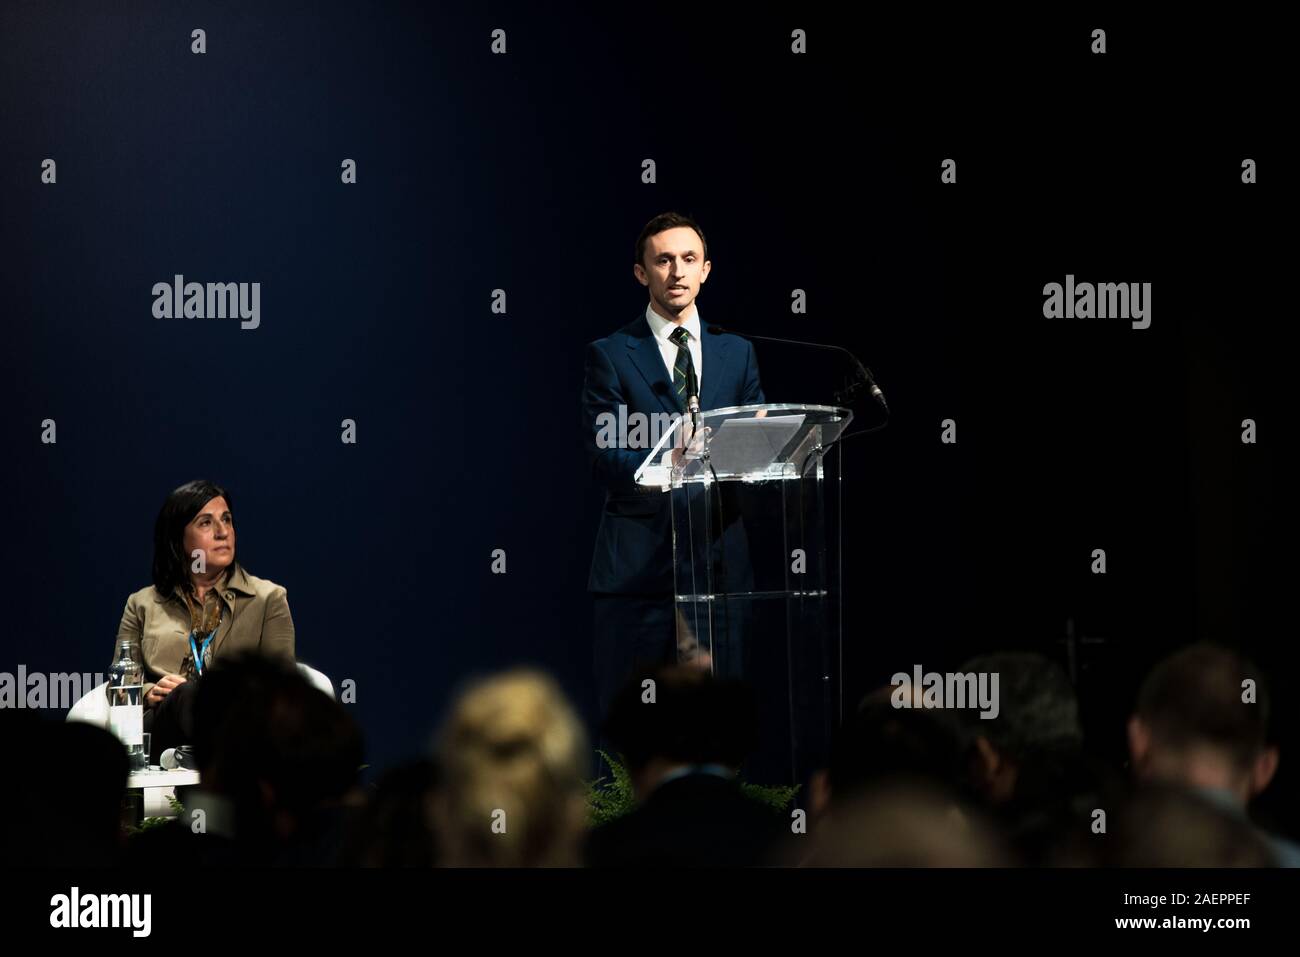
x=317, y=679
x=92, y=707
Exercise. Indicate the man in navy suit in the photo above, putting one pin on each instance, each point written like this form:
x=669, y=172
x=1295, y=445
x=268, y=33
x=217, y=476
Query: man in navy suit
x=640, y=368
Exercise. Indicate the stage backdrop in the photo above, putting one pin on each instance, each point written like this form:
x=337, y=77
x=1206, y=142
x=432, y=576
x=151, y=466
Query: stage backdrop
x=436, y=209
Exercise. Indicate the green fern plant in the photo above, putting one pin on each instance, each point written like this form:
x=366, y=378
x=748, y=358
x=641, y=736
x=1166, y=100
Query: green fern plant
x=777, y=796
x=610, y=798
x=149, y=823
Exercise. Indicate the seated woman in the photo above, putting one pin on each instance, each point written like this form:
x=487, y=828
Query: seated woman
x=201, y=604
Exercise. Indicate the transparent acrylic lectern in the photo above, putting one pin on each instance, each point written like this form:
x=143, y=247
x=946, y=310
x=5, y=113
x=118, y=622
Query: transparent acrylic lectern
x=756, y=502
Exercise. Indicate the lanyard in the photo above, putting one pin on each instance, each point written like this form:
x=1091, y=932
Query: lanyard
x=200, y=652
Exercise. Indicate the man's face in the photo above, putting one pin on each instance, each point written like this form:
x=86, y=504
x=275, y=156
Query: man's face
x=674, y=268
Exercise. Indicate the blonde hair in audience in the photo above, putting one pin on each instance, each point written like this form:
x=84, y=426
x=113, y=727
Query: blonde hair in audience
x=513, y=754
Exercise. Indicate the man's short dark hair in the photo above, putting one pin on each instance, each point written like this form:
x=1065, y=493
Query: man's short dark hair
x=1194, y=697
x=882, y=744
x=1038, y=709
x=258, y=721
x=695, y=719
x=663, y=222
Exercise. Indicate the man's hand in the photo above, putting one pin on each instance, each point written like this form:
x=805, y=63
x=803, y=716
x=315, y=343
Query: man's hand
x=695, y=448
x=701, y=659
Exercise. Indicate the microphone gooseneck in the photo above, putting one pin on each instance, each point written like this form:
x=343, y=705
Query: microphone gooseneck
x=863, y=380
x=693, y=398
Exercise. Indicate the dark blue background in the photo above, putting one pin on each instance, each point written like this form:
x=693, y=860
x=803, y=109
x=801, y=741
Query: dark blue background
x=522, y=172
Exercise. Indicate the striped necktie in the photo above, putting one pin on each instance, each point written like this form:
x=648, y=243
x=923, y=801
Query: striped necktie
x=684, y=367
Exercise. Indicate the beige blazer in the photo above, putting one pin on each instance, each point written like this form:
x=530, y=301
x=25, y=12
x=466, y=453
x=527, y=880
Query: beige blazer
x=255, y=618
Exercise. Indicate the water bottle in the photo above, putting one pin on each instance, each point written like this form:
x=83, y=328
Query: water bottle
x=126, y=702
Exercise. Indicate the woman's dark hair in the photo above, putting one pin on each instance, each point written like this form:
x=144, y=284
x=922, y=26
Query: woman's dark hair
x=663, y=222
x=170, y=563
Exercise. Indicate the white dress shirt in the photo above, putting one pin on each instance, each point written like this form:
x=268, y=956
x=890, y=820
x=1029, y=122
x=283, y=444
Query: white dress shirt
x=661, y=329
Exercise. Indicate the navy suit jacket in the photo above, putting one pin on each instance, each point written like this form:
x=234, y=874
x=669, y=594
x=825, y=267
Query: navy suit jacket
x=633, y=552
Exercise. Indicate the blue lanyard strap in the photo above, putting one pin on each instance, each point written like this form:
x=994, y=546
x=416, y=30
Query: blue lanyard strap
x=200, y=652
